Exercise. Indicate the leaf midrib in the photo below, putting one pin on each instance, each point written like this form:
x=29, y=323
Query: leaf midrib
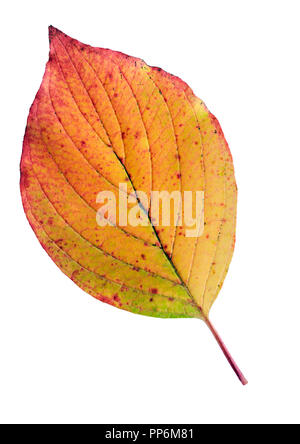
x=182, y=283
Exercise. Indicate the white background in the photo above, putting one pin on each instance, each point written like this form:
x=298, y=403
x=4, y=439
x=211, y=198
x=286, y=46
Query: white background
x=67, y=358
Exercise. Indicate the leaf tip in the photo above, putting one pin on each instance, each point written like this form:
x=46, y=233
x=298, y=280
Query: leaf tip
x=53, y=32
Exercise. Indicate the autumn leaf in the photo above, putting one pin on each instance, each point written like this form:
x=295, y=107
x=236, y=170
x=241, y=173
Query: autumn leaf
x=101, y=119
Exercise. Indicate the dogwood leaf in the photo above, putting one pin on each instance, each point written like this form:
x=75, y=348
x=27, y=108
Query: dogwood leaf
x=101, y=119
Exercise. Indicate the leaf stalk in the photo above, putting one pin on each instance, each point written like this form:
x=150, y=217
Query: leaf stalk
x=226, y=353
